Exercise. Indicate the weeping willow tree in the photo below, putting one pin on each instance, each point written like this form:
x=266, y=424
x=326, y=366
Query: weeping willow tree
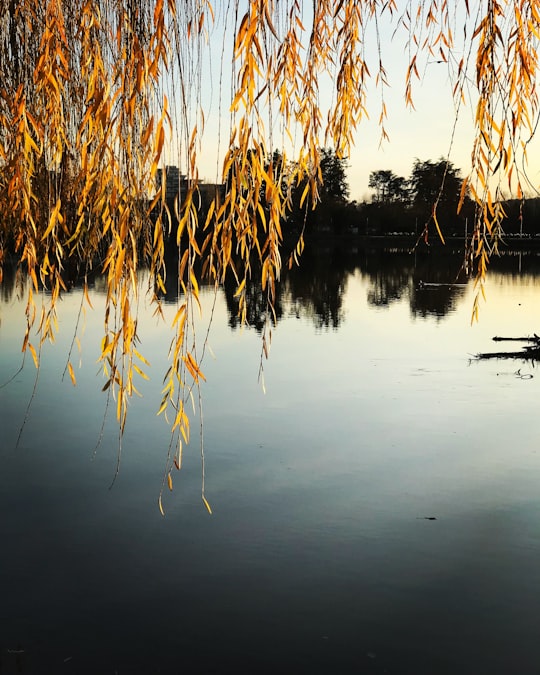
x=97, y=95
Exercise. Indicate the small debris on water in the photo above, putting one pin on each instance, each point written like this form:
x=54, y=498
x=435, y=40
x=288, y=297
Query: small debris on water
x=426, y=518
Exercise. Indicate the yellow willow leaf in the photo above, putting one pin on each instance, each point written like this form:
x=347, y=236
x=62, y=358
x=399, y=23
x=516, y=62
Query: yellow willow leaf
x=210, y=214
x=155, y=201
x=489, y=204
x=140, y=372
x=34, y=355
x=304, y=195
x=180, y=315
x=161, y=506
x=106, y=347
x=262, y=215
x=160, y=284
x=194, y=284
x=239, y=97
x=240, y=288
x=193, y=367
x=34, y=278
x=169, y=481
x=86, y=295
x=119, y=407
x=193, y=136
x=269, y=21
x=241, y=32
x=25, y=341
x=72, y=374
x=164, y=404
x=159, y=141
x=255, y=41
x=479, y=248
x=434, y=214
x=482, y=290
x=35, y=126
x=205, y=502
x=177, y=423
x=119, y=265
x=141, y=357
x=463, y=193
x=264, y=275
x=29, y=144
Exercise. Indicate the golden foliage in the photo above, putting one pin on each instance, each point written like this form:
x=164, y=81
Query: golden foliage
x=97, y=95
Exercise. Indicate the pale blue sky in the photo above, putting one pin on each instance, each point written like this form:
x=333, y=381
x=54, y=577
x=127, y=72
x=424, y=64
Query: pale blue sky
x=423, y=133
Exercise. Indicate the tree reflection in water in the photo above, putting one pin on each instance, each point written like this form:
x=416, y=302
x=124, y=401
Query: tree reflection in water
x=316, y=288
x=256, y=303
x=431, y=280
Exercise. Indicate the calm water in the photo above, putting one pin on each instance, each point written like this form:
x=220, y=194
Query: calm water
x=319, y=557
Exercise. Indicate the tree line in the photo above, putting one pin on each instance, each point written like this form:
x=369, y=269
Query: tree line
x=398, y=205
x=403, y=205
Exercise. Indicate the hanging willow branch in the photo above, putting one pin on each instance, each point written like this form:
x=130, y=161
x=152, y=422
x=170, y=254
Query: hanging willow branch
x=97, y=95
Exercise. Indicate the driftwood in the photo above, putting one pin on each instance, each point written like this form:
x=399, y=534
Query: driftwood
x=427, y=285
x=529, y=352
x=534, y=338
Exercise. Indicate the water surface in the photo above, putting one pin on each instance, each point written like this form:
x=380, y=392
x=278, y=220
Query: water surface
x=376, y=511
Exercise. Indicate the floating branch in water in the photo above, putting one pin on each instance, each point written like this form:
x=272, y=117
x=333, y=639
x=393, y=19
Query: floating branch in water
x=530, y=352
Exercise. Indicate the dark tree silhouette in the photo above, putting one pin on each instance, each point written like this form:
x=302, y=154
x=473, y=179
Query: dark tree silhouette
x=389, y=187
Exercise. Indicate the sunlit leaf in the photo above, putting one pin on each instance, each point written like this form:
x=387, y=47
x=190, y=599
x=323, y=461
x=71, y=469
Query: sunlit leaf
x=71, y=374
x=34, y=354
x=205, y=502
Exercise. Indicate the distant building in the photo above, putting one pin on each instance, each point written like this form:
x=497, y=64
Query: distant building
x=210, y=192
x=176, y=186
x=175, y=182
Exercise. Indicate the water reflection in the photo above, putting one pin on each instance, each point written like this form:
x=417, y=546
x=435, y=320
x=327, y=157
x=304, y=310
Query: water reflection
x=256, y=303
x=436, y=300
x=318, y=558
x=319, y=295
x=12, y=284
x=391, y=277
x=431, y=281
x=314, y=290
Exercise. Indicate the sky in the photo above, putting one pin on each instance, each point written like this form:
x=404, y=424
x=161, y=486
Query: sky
x=426, y=133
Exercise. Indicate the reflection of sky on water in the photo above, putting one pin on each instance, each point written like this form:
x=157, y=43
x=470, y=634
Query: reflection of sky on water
x=317, y=555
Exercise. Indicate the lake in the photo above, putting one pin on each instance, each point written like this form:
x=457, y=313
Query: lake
x=377, y=510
